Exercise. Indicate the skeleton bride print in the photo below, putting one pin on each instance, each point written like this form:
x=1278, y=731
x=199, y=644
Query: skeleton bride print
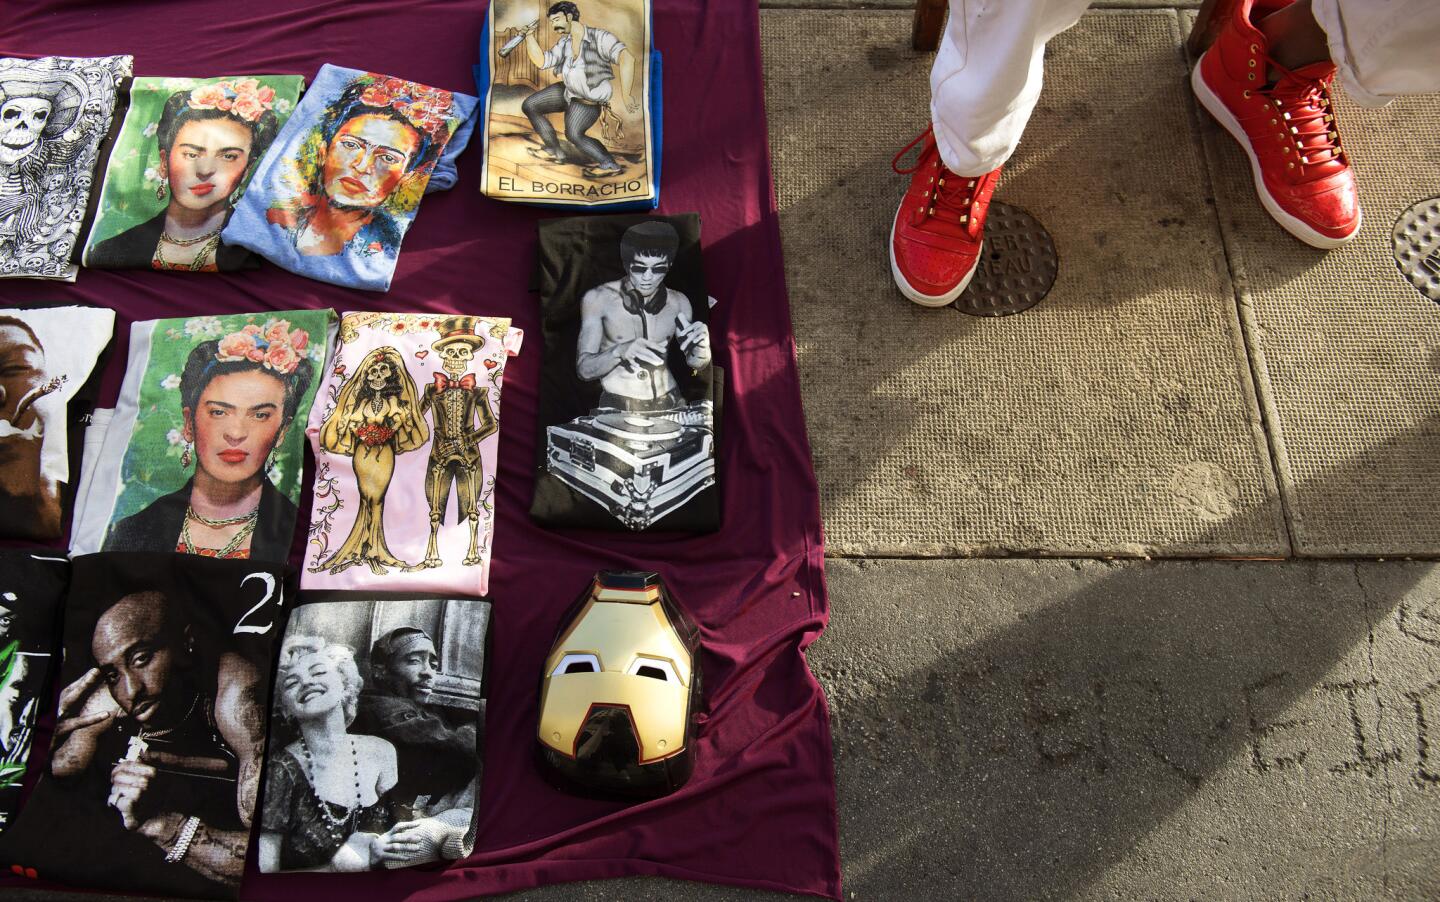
x=54, y=112
x=405, y=431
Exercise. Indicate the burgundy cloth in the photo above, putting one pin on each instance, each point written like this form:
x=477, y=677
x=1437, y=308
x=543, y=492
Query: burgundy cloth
x=759, y=810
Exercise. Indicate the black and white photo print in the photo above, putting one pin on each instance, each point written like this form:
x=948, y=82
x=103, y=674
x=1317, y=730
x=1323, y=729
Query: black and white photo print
x=377, y=725
x=54, y=112
x=159, y=734
x=628, y=403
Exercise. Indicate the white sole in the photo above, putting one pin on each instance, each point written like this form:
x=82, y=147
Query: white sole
x=930, y=300
x=1292, y=224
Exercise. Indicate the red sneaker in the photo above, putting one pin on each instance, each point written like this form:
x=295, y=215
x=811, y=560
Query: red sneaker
x=1288, y=129
x=938, y=231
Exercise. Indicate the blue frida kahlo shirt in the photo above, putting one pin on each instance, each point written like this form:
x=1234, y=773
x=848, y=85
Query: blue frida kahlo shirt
x=288, y=214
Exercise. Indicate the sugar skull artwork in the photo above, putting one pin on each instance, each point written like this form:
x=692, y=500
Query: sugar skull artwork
x=405, y=436
x=54, y=112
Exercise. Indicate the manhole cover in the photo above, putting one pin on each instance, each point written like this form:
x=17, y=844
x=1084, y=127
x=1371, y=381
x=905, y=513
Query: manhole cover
x=1417, y=247
x=1017, y=266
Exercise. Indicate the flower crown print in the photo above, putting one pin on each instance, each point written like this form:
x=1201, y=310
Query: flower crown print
x=246, y=98
x=425, y=108
x=272, y=345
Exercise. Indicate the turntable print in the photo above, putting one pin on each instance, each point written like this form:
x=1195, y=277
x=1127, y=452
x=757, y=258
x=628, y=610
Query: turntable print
x=638, y=466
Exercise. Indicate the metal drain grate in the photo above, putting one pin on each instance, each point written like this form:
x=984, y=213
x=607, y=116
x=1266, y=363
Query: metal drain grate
x=1416, y=237
x=1017, y=267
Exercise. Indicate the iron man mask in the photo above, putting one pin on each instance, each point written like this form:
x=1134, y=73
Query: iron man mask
x=620, y=690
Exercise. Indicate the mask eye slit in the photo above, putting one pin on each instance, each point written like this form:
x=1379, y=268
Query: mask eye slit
x=583, y=662
x=654, y=669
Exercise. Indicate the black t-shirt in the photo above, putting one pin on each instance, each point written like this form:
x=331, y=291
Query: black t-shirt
x=182, y=648
x=31, y=588
x=629, y=401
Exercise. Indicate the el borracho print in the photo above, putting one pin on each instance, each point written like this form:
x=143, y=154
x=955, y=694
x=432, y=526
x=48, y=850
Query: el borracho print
x=156, y=757
x=179, y=164
x=571, y=96
x=54, y=112
x=205, y=451
x=406, y=435
x=629, y=392
x=376, y=734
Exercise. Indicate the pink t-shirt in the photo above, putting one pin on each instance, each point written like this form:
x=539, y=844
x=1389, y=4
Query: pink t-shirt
x=405, y=429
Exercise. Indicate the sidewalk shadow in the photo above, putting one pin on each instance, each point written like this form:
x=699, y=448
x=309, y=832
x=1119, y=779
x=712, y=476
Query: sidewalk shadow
x=1027, y=760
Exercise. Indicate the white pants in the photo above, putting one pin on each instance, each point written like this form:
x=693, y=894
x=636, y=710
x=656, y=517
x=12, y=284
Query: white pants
x=987, y=75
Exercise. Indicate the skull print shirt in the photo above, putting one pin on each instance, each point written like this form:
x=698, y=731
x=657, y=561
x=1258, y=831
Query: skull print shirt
x=54, y=112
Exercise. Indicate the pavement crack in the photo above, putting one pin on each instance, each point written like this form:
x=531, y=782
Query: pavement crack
x=1384, y=758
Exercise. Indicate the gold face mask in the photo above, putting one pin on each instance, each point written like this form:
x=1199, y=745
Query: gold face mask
x=620, y=689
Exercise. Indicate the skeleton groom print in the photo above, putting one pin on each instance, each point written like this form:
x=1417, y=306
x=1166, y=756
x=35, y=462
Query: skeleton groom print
x=53, y=114
x=628, y=403
x=405, y=439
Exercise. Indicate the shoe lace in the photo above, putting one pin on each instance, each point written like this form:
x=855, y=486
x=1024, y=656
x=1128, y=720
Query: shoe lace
x=949, y=197
x=1306, y=115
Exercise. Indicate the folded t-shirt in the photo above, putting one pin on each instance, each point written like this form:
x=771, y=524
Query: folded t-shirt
x=95, y=431
x=48, y=377
x=334, y=195
x=180, y=161
x=412, y=753
x=205, y=450
x=155, y=765
x=405, y=443
x=31, y=588
x=54, y=112
x=628, y=393
x=560, y=129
